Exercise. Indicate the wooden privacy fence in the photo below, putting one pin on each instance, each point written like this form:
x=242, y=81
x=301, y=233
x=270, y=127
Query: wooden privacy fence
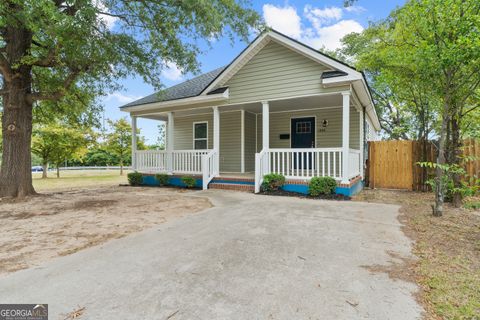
x=393, y=164
x=471, y=148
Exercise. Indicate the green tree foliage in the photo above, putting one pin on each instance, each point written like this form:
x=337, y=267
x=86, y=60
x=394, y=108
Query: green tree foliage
x=427, y=54
x=100, y=156
x=50, y=49
x=56, y=143
x=119, y=141
x=162, y=135
x=405, y=107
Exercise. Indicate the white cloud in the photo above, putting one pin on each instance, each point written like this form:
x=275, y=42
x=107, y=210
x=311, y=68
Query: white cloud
x=355, y=9
x=172, y=72
x=121, y=98
x=283, y=19
x=326, y=25
x=330, y=36
x=318, y=17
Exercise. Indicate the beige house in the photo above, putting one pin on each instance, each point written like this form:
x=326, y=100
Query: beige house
x=278, y=107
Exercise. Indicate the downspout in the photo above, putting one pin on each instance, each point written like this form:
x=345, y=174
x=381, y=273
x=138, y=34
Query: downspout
x=365, y=145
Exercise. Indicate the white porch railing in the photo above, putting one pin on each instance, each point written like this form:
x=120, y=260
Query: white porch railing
x=304, y=163
x=201, y=162
x=188, y=161
x=261, y=168
x=210, y=167
x=354, y=164
x=151, y=160
x=178, y=161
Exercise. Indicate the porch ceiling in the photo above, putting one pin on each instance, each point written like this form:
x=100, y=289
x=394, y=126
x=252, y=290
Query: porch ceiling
x=302, y=103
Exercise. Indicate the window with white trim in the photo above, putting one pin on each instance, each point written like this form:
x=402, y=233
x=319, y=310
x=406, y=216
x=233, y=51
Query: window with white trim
x=200, y=135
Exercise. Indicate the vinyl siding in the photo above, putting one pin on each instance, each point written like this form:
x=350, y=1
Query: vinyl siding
x=229, y=137
x=230, y=130
x=183, y=131
x=250, y=124
x=330, y=138
x=276, y=72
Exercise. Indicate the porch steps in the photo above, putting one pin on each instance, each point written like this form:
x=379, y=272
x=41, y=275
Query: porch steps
x=232, y=186
x=236, y=184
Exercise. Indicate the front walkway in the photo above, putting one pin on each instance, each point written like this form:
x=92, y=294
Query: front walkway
x=249, y=257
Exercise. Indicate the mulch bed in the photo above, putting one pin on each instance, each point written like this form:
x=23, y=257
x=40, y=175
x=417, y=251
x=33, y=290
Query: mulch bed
x=338, y=197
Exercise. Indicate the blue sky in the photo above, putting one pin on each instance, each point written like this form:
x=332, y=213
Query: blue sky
x=315, y=22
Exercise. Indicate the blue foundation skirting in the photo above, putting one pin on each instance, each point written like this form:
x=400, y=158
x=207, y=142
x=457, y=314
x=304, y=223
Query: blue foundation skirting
x=298, y=188
x=173, y=181
x=346, y=191
x=352, y=190
x=149, y=180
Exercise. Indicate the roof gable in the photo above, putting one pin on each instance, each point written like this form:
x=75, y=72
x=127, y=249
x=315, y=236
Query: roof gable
x=262, y=40
x=276, y=72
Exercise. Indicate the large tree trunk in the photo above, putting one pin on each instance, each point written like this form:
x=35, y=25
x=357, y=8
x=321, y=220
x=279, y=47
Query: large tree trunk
x=441, y=159
x=15, y=172
x=45, y=170
x=121, y=167
x=456, y=145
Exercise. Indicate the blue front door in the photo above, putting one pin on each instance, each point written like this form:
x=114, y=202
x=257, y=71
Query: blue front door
x=303, y=136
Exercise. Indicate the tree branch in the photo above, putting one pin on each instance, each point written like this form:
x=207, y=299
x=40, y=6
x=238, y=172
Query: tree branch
x=48, y=60
x=69, y=80
x=5, y=69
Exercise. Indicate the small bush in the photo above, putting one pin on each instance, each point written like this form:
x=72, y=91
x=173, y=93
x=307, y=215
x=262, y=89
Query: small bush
x=189, y=181
x=321, y=185
x=162, y=179
x=135, y=178
x=272, y=182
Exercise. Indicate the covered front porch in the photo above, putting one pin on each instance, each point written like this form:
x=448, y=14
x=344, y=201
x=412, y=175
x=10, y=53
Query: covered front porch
x=300, y=138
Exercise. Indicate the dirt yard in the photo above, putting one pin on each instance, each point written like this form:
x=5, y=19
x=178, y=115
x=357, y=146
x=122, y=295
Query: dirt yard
x=62, y=222
x=448, y=248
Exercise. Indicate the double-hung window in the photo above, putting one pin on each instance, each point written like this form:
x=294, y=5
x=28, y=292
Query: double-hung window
x=200, y=135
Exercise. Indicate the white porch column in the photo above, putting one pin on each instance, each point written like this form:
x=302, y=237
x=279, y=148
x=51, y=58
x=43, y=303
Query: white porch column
x=134, y=142
x=216, y=136
x=362, y=147
x=170, y=146
x=345, y=135
x=265, y=125
x=242, y=141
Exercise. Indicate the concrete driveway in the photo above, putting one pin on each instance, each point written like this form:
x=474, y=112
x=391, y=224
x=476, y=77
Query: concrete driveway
x=249, y=257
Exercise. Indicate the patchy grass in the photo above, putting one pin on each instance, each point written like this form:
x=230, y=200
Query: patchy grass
x=61, y=222
x=78, y=178
x=448, y=247
x=472, y=203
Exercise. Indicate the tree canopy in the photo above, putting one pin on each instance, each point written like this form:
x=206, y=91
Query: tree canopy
x=424, y=64
x=53, y=50
x=55, y=143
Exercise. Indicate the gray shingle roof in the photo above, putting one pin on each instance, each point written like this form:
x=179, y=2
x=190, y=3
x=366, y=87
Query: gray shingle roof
x=189, y=88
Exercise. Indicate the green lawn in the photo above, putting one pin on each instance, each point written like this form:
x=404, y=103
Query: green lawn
x=78, y=178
